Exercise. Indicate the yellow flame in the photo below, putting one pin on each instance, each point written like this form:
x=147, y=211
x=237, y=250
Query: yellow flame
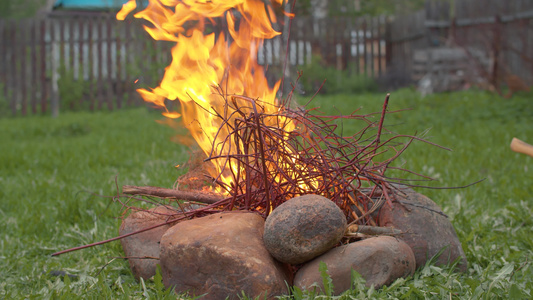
x=126, y=9
x=205, y=65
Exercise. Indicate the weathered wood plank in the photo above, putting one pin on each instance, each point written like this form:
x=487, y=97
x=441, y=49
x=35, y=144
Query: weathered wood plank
x=99, y=63
x=82, y=58
x=12, y=66
x=23, y=51
x=110, y=67
x=44, y=94
x=4, y=58
x=119, y=91
x=91, y=64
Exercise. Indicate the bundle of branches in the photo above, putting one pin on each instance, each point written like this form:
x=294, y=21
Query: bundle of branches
x=294, y=152
x=269, y=158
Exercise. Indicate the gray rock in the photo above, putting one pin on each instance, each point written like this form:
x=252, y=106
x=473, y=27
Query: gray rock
x=221, y=255
x=303, y=228
x=146, y=244
x=427, y=229
x=379, y=260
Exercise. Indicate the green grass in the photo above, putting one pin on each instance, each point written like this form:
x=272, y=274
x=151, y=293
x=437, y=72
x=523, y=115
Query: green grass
x=50, y=170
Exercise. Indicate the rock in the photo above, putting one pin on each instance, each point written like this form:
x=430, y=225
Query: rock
x=427, y=229
x=144, y=244
x=379, y=260
x=221, y=255
x=303, y=228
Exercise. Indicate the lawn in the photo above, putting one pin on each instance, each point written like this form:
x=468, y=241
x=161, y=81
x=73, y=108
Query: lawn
x=56, y=174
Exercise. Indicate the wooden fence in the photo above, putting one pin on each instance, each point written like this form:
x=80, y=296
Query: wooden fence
x=500, y=32
x=357, y=45
x=92, y=61
x=85, y=60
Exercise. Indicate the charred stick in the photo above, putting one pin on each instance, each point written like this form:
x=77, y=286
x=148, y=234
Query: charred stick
x=171, y=193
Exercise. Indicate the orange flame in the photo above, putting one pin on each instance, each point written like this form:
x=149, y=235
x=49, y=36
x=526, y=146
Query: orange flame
x=206, y=67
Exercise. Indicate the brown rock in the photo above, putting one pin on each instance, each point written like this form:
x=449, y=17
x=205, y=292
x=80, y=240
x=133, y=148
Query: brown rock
x=144, y=244
x=303, y=228
x=427, y=229
x=379, y=260
x=221, y=255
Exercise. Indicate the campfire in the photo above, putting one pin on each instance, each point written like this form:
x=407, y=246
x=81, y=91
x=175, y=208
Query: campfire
x=284, y=185
x=260, y=151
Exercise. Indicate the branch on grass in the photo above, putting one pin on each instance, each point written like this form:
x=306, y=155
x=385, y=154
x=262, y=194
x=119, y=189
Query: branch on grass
x=196, y=196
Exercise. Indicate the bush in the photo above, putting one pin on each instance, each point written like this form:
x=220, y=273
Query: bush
x=314, y=74
x=71, y=90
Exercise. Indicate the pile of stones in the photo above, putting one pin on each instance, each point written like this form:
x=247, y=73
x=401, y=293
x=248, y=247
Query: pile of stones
x=228, y=253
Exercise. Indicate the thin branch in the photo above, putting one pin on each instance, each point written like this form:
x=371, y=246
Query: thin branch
x=117, y=238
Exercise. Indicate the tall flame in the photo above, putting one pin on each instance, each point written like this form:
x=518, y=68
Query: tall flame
x=207, y=66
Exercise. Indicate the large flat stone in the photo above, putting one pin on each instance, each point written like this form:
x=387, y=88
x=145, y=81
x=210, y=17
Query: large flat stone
x=220, y=256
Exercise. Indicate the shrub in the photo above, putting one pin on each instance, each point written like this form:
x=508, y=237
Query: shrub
x=71, y=90
x=314, y=74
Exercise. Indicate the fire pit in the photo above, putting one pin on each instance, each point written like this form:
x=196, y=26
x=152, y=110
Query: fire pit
x=288, y=197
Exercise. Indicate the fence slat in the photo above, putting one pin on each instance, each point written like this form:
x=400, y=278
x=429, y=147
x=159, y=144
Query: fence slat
x=54, y=103
x=379, y=39
x=62, y=60
x=371, y=31
x=23, y=38
x=129, y=48
x=3, y=61
x=110, y=68
x=42, y=70
x=99, y=63
x=34, y=85
x=82, y=68
x=119, y=92
x=91, y=63
x=11, y=66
